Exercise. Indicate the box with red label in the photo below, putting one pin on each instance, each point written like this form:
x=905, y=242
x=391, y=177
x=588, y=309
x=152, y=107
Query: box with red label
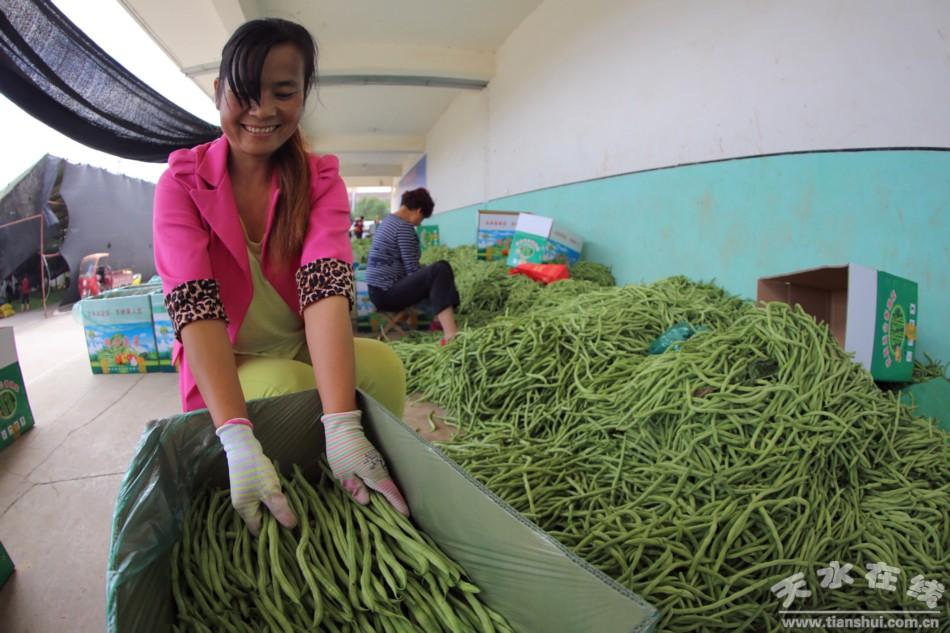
x=495, y=230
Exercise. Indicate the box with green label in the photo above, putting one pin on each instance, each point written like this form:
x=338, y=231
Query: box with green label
x=872, y=313
x=6, y=566
x=120, y=335
x=15, y=415
x=428, y=236
x=538, y=240
x=164, y=331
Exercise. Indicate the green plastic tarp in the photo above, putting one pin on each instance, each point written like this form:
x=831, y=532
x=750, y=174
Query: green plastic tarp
x=525, y=574
x=930, y=399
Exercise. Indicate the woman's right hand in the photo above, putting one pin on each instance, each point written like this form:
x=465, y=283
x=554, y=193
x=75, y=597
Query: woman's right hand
x=253, y=478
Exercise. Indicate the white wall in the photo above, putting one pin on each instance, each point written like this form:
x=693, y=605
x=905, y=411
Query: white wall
x=584, y=90
x=458, y=175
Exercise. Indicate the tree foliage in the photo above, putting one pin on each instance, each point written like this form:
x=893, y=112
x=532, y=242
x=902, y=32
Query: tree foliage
x=371, y=209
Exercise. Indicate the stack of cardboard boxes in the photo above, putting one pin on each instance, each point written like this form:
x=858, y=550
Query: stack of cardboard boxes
x=519, y=238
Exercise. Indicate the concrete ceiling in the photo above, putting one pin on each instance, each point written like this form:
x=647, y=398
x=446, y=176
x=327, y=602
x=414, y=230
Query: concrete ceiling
x=388, y=69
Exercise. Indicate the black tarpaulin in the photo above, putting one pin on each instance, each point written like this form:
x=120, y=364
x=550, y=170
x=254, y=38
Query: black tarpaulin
x=23, y=205
x=99, y=210
x=107, y=213
x=53, y=71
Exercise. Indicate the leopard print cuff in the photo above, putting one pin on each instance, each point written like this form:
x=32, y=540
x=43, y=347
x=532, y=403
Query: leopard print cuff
x=324, y=278
x=194, y=301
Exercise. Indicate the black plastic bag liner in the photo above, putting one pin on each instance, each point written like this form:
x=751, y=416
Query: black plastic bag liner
x=524, y=574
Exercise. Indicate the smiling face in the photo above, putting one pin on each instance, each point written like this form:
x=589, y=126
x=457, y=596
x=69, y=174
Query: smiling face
x=258, y=128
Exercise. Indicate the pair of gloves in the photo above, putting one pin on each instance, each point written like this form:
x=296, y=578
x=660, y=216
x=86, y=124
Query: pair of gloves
x=354, y=461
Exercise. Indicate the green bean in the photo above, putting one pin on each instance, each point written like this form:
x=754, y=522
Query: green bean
x=303, y=579
x=763, y=411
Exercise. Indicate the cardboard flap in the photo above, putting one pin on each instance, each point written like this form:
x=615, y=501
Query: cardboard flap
x=821, y=292
x=534, y=224
x=8, y=354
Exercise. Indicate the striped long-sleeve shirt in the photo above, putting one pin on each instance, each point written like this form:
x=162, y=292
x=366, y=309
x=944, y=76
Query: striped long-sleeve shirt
x=394, y=254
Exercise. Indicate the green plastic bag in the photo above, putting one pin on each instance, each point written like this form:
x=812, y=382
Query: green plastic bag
x=524, y=574
x=930, y=399
x=673, y=338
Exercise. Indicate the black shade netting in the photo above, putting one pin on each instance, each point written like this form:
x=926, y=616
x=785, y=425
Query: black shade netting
x=53, y=71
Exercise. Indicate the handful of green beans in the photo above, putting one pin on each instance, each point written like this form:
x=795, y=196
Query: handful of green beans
x=346, y=568
x=929, y=370
x=702, y=477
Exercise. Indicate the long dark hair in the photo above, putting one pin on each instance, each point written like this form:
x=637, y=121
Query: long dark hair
x=242, y=63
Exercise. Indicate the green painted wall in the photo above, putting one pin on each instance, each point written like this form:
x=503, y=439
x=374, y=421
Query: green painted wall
x=735, y=221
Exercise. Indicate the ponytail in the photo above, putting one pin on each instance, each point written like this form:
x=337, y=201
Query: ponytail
x=293, y=207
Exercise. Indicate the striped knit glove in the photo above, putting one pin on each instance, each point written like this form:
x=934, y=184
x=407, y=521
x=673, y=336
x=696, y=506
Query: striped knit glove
x=253, y=478
x=356, y=463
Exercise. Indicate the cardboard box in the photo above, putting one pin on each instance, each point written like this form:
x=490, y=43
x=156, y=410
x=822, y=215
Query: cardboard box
x=428, y=236
x=120, y=335
x=164, y=332
x=538, y=240
x=16, y=417
x=495, y=231
x=364, y=307
x=524, y=573
x=872, y=313
x=369, y=320
x=563, y=247
x=6, y=566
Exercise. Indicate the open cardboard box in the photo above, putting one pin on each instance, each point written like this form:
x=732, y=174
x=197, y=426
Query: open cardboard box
x=524, y=573
x=872, y=313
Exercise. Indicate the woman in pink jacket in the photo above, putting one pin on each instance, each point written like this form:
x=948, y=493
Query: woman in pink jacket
x=251, y=242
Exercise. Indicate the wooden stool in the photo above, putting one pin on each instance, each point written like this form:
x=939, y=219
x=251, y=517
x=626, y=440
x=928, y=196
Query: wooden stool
x=395, y=323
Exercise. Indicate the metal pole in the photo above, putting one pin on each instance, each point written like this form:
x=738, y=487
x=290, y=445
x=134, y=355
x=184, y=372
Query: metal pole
x=42, y=272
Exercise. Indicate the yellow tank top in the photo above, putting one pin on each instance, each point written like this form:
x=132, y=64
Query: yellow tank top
x=270, y=327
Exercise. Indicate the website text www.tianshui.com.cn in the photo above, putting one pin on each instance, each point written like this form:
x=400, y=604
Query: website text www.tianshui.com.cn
x=868, y=622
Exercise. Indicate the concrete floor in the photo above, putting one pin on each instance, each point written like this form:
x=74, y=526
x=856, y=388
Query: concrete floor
x=59, y=481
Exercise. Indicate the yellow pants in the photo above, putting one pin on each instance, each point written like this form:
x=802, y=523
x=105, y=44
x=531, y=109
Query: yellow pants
x=379, y=373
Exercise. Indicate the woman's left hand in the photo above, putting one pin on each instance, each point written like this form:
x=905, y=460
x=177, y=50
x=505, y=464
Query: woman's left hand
x=356, y=462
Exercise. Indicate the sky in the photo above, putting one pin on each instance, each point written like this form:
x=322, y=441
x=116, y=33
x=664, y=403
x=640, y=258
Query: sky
x=108, y=24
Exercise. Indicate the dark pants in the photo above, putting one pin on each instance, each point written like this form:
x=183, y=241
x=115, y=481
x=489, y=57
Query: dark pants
x=435, y=283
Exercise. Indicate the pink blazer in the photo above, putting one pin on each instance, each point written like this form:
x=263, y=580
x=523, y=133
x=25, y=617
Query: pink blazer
x=201, y=255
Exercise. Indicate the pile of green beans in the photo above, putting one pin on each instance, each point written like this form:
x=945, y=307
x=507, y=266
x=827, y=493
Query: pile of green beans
x=346, y=568
x=697, y=478
x=361, y=249
x=488, y=291
x=929, y=370
x=592, y=271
